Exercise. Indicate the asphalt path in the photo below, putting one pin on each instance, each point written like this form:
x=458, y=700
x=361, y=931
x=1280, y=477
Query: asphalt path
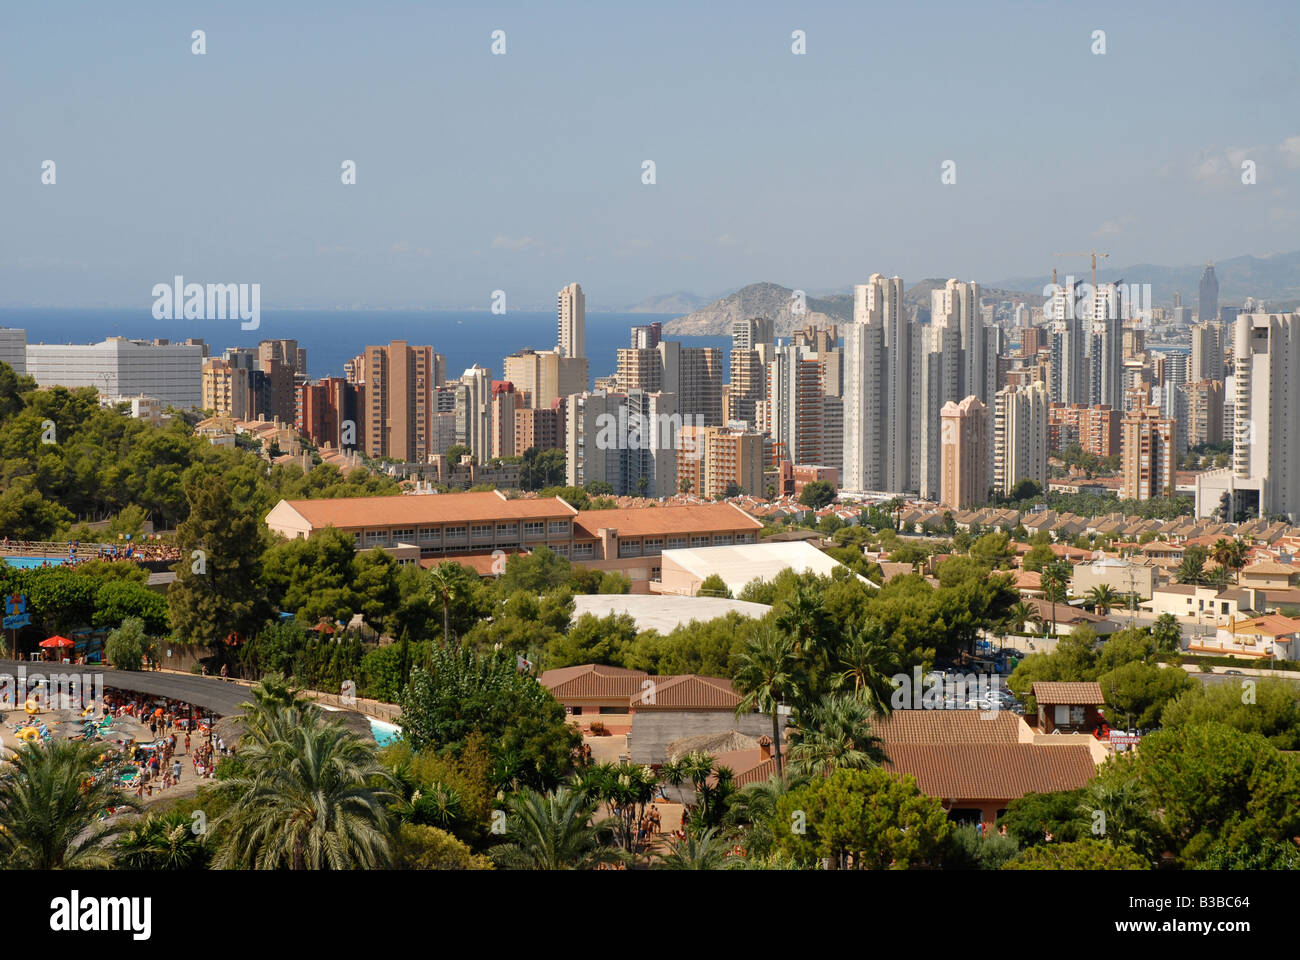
x=221, y=697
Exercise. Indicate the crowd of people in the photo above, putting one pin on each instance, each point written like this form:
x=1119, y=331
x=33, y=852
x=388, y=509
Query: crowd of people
x=173, y=729
x=77, y=553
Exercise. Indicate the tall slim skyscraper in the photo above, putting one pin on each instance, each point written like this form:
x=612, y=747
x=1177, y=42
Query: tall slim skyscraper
x=964, y=454
x=1209, y=291
x=1020, y=431
x=572, y=309
x=1207, y=353
x=1265, y=447
x=878, y=389
x=1106, y=376
x=1069, y=373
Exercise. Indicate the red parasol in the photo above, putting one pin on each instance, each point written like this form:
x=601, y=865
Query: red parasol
x=56, y=642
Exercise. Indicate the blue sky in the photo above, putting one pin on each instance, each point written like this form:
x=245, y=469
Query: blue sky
x=523, y=172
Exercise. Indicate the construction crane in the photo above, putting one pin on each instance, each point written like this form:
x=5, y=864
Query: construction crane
x=1086, y=253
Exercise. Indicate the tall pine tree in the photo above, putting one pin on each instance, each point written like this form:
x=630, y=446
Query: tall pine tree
x=217, y=598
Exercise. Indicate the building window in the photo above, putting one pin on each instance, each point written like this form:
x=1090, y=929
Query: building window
x=430, y=535
x=630, y=549
x=534, y=529
x=562, y=549
x=480, y=531
x=654, y=546
x=507, y=530
x=583, y=550
x=699, y=541
x=376, y=538
x=721, y=538
x=405, y=534
x=455, y=533
x=677, y=543
x=559, y=528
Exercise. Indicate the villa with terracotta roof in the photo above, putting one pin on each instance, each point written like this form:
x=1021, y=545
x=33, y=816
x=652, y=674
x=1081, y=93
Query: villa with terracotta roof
x=977, y=762
x=1271, y=636
x=660, y=709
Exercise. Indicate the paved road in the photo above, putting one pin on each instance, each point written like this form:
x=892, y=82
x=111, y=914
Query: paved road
x=211, y=693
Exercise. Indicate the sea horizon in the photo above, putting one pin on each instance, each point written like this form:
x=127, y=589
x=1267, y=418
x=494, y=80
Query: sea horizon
x=331, y=337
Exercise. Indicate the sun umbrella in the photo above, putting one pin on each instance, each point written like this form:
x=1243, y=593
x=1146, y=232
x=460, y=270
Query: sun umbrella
x=56, y=642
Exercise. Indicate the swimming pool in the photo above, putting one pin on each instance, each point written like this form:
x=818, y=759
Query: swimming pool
x=385, y=733
x=27, y=562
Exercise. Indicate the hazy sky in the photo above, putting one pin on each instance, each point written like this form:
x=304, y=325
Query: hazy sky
x=523, y=172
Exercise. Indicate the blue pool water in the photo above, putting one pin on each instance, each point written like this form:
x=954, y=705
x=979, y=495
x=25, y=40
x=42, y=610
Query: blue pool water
x=385, y=733
x=34, y=561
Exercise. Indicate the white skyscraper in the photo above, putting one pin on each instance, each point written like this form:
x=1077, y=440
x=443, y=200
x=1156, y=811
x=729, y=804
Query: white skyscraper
x=864, y=374
x=1020, y=437
x=878, y=389
x=1069, y=383
x=1106, y=369
x=572, y=309
x=118, y=367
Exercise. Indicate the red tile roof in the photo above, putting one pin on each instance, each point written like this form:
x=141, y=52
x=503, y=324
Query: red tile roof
x=593, y=682
x=991, y=771
x=947, y=727
x=1068, y=693
x=349, y=512
x=697, y=518
x=688, y=692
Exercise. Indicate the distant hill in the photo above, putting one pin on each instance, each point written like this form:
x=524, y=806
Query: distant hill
x=773, y=300
x=1272, y=278
x=678, y=302
x=761, y=300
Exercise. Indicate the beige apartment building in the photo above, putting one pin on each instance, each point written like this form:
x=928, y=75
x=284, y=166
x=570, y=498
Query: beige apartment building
x=964, y=454
x=225, y=389
x=545, y=376
x=399, y=400
x=712, y=459
x=1148, y=454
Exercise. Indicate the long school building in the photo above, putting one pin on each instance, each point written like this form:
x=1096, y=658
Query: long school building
x=474, y=527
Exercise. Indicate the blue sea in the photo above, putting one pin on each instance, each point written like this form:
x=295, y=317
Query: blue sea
x=332, y=337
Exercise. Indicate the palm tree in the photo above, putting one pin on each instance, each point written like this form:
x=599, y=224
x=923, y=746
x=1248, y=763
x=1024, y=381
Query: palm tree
x=308, y=795
x=674, y=774
x=552, y=831
x=1018, y=614
x=54, y=809
x=766, y=676
x=803, y=617
x=753, y=811
x=1230, y=553
x=1124, y=808
x=869, y=664
x=835, y=734
x=446, y=587
x=626, y=791
x=1218, y=577
x=701, y=850
x=166, y=841
x=1102, y=597
x=1191, y=569
x=1054, y=578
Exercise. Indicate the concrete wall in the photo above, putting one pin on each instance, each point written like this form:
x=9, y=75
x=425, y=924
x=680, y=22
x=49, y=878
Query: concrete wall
x=653, y=730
